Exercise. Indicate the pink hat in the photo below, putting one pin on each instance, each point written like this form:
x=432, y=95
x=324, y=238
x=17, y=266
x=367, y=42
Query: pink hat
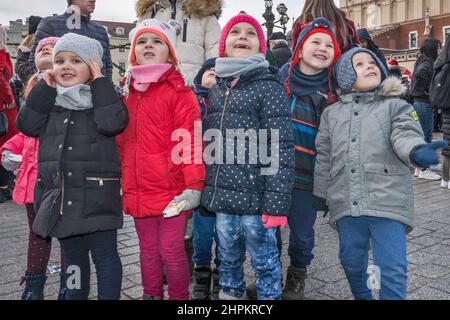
x=46, y=41
x=238, y=19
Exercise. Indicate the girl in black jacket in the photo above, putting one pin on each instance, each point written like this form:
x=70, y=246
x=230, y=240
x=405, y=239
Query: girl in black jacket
x=76, y=114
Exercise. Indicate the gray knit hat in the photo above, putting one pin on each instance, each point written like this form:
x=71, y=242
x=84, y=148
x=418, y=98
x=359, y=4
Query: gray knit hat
x=345, y=73
x=84, y=47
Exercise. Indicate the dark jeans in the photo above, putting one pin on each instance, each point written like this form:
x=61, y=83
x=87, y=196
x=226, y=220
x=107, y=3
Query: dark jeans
x=203, y=234
x=301, y=220
x=425, y=113
x=103, y=248
x=4, y=177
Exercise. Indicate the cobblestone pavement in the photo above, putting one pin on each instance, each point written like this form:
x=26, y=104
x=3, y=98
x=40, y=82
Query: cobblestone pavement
x=428, y=253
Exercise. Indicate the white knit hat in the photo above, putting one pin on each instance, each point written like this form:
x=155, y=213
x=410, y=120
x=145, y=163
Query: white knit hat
x=166, y=30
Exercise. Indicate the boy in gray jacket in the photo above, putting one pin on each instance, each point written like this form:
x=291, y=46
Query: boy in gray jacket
x=365, y=144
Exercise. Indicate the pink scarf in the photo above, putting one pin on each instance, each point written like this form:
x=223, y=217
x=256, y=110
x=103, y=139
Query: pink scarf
x=144, y=75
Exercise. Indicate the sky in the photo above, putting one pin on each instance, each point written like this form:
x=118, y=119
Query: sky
x=123, y=10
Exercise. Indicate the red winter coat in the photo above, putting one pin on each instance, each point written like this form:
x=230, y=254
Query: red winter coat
x=150, y=179
x=27, y=175
x=6, y=94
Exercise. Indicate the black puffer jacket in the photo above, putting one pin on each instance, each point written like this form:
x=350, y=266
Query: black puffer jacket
x=421, y=80
x=78, y=186
x=57, y=26
x=256, y=101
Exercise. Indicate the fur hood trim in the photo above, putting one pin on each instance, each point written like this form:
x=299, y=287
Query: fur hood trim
x=392, y=87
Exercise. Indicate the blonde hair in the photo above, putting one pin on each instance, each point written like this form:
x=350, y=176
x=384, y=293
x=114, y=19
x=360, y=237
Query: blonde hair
x=3, y=37
x=30, y=84
x=313, y=9
x=28, y=41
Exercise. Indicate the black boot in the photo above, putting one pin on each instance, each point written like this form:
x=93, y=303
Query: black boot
x=62, y=286
x=295, y=284
x=201, y=288
x=34, y=286
x=215, y=284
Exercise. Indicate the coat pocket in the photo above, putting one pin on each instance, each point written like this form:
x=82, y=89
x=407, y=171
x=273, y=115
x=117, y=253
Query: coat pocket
x=387, y=185
x=103, y=195
x=337, y=192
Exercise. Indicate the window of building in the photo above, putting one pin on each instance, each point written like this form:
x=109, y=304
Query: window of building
x=445, y=33
x=120, y=31
x=413, y=39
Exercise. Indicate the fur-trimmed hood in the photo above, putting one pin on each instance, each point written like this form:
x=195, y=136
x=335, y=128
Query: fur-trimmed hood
x=392, y=87
x=200, y=8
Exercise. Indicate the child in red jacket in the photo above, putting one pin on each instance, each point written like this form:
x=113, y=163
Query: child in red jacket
x=155, y=173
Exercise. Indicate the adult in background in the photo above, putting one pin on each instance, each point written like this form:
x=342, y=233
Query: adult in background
x=395, y=71
x=367, y=42
x=444, y=58
x=344, y=28
x=8, y=110
x=199, y=38
x=420, y=85
x=279, y=48
x=24, y=69
x=57, y=26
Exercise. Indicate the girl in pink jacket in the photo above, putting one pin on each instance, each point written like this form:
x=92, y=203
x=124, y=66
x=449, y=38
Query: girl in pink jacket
x=19, y=154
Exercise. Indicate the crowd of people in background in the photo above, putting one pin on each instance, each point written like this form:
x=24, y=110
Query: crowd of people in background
x=79, y=151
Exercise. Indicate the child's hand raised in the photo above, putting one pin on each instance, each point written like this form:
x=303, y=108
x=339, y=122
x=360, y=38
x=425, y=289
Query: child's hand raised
x=49, y=77
x=96, y=71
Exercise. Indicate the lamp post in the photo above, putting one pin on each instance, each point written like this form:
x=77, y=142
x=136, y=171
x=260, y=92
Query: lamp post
x=270, y=17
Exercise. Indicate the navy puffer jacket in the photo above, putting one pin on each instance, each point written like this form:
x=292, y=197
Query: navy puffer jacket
x=57, y=26
x=256, y=101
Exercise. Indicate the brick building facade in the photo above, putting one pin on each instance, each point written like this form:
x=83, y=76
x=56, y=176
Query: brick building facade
x=400, y=26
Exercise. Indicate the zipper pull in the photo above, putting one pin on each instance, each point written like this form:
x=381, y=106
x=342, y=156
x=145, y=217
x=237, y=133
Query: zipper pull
x=100, y=182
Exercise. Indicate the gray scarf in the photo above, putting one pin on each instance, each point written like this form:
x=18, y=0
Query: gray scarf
x=76, y=98
x=234, y=67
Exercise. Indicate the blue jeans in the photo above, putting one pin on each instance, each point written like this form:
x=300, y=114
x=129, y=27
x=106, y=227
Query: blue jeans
x=388, y=241
x=203, y=235
x=236, y=234
x=425, y=113
x=103, y=247
x=302, y=218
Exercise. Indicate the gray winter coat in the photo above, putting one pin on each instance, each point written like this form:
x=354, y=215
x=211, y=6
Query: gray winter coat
x=363, y=146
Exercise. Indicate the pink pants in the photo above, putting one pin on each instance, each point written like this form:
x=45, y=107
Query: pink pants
x=161, y=244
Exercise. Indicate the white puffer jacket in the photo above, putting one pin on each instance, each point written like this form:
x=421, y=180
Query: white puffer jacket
x=199, y=39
